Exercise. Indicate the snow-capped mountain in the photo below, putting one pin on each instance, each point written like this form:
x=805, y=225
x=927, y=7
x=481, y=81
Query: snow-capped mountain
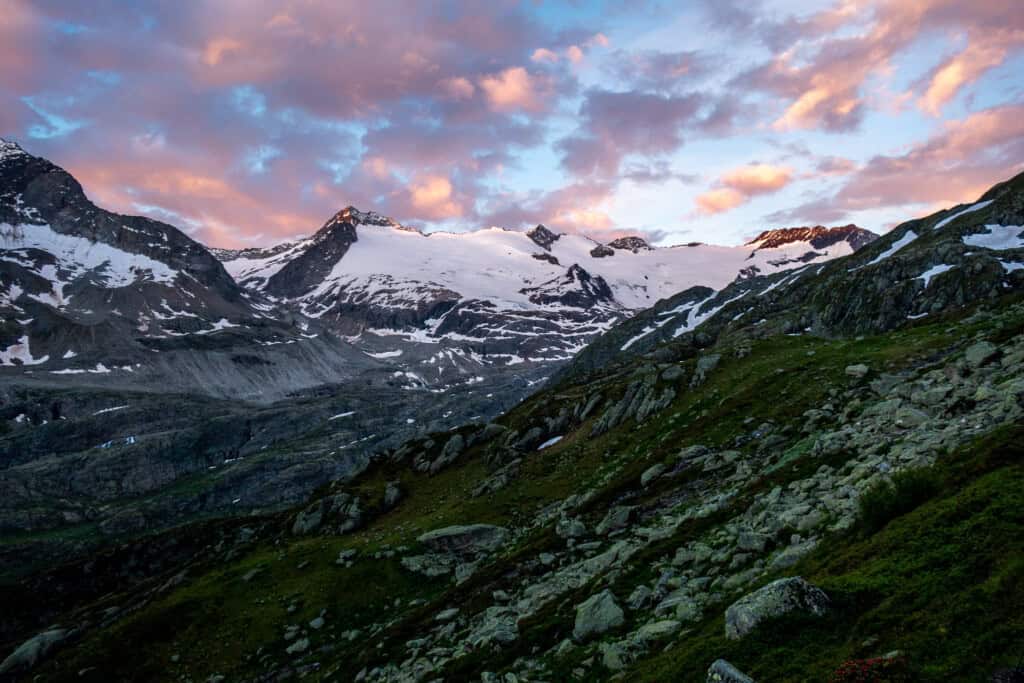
x=497, y=296
x=89, y=295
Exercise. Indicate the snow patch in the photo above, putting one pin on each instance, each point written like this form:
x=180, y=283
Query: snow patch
x=20, y=351
x=907, y=238
x=998, y=238
x=550, y=442
x=974, y=207
x=110, y=410
x=932, y=272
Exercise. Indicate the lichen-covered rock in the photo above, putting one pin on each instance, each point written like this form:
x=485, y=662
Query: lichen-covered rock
x=980, y=353
x=499, y=625
x=724, y=672
x=32, y=651
x=459, y=539
x=778, y=598
x=596, y=615
x=617, y=518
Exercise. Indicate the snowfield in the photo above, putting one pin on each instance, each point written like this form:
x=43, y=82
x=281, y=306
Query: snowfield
x=497, y=265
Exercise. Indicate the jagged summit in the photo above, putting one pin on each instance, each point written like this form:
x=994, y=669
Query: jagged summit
x=9, y=148
x=630, y=243
x=354, y=216
x=819, y=236
x=543, y=237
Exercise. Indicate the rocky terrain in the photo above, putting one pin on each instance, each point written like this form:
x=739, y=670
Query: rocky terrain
x=794, y=477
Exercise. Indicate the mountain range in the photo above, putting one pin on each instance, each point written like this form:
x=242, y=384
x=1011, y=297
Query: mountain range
x=537, y=456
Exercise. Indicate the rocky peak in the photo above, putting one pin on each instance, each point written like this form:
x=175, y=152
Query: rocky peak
x=631, y=243
x=9, y=148
x=819, y=236
x=543, y=237
x=576, y=288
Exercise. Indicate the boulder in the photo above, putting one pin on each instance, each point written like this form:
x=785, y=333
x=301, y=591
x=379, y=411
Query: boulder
x=652, y=473
x=32, y=651
x=617, y=518
x=499, y=625
x=469, y=539
x=724, y=672
x=569, y=527
x=778, y=598
x=980, y=353
x=857, y=371
x=596, y=615
x=392, y=494
x=705, y=365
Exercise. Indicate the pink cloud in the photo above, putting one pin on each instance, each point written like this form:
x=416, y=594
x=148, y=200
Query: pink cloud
x=719, y=200
x=432, y=196
x=962, y=69
x=821, y=75
x=740, y=185
x=955, y=165
x=757, y=178
x=513, y=89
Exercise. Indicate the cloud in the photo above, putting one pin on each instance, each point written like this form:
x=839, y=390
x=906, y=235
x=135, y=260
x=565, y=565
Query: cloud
x=955, y=165
x=823, y=72
x=959, y=71
x=757, y=178
x=618, y=124
x=217, y=49
x=513, y=89
x=457, y=88
x=719, y=200
x=432, y=197
x=740, y=185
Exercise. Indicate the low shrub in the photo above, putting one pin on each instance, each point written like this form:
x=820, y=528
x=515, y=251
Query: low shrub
x=875, y=670
x=887, y=500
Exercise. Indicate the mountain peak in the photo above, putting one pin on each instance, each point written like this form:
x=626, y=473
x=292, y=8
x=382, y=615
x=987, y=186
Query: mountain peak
x=9, y=148
x=543, y=237
x=819, y=236
x=631, y=243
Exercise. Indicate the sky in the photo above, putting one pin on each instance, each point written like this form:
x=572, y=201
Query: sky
x=248, y=122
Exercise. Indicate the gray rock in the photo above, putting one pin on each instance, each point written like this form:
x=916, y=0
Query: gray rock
x=499, y=625
x=596, y=615
x=859, y=370
x=724, y=672
x=652, y=473
x=778, y=598
x=657, y=630
x=570, y=528
x=32, y=651
x=392, y=494
x=751, y=542
x=672, y=374
x=298, y=647
x=470, y=538
x=617, y=518
x=640, y=597
x=980, y=353
x=705, y=365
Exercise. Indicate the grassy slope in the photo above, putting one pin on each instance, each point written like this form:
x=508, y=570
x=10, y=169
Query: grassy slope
x=219, y=623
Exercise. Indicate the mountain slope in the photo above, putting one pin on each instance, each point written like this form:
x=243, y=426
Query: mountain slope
x=92, y=297
x=631, y=521
x=921, y=268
